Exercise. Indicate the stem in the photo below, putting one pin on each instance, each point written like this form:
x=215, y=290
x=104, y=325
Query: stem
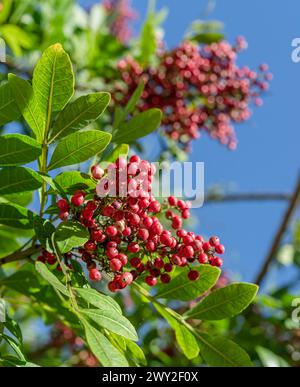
x=19, y=255
x=68, y=278
x=294, y=202
x=249, y=197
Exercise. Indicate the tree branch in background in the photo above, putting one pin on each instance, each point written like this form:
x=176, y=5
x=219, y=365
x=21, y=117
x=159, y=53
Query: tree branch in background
x=294, y=202
x=19, y=255
x=213, y=198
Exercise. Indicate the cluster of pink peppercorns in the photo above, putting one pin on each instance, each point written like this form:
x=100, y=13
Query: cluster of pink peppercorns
x=120, y=16
x=197, y=88
x=127, y=239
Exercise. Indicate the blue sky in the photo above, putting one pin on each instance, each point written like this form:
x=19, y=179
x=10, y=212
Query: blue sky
x=267, y=158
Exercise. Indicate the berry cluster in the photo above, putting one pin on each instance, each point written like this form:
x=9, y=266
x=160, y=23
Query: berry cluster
x=120, y=16
x=127, y=237
x=197, y=88
x=63, y=337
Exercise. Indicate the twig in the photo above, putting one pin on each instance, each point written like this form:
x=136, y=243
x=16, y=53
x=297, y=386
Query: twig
x=19, y=255
x=247, y=197
x=294, y=202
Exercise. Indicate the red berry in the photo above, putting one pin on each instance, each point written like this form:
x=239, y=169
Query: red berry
x=172, y=201
x=185, y=214
x=112, y=252
x=165, y=278
x=203, y=258
x=127, y=278
x=87, y=214
x=90, y=246
x=123, y=258
x=181, y=205
x=64, y=215
x=188, y=252
x=134, y=159
x=63, y=205
x=78, y=199
x=133, y=247
x=206, y=246
x=220, y=249
x=218, y=262
x=111, y=231
x=127, y=231
x=97, y=235
x=95, y=275
x=108, y=211
x=176, y=222
x=97, y=172
x=154, y=206
x=115, y=264
x=150, y=280
x=193, y=275
x=168, y=267
x=143, y=234
x=214, y=241
x=135, y=262
x=112, y=286
x=159, y=263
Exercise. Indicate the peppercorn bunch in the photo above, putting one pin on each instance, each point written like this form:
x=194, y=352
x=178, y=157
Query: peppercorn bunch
x=120, y=15
x=198, y=88
x=127, y=237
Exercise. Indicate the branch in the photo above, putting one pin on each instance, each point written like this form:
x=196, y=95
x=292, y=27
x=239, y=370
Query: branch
x=247, y=197
x=19, y=255
x=294, y=202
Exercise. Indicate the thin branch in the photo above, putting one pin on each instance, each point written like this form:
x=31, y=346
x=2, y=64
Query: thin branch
x=247, y=197
x=294, y=202
x=19, y=255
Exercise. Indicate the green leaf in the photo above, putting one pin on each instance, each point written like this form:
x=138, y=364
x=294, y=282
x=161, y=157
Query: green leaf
x=2, y=311
x=8, y=109
x=135, y=353
x=44, y=229
x=134, y=99
x=16, y=38
x=16, y=216
x=51, y=278
x=79, y=114
x=139, y=126
x=8, y=243
x=79, y=147
x=23, y=281
x=224, y=302
x=18, y=149
x=28, y=105
x=15, y=346
x=53, y=81
x=270, y=359
x=18, y=179
x=102, y=348
x=221, y=352
x=181, y=289
x=69, y=235
x=99, y=300
x=148, y=40
x=208, y=38
x=21, y=198
x=113, y=321
x=72, y=181
x=120, y=150
x=14, y=328
x=185, y=339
